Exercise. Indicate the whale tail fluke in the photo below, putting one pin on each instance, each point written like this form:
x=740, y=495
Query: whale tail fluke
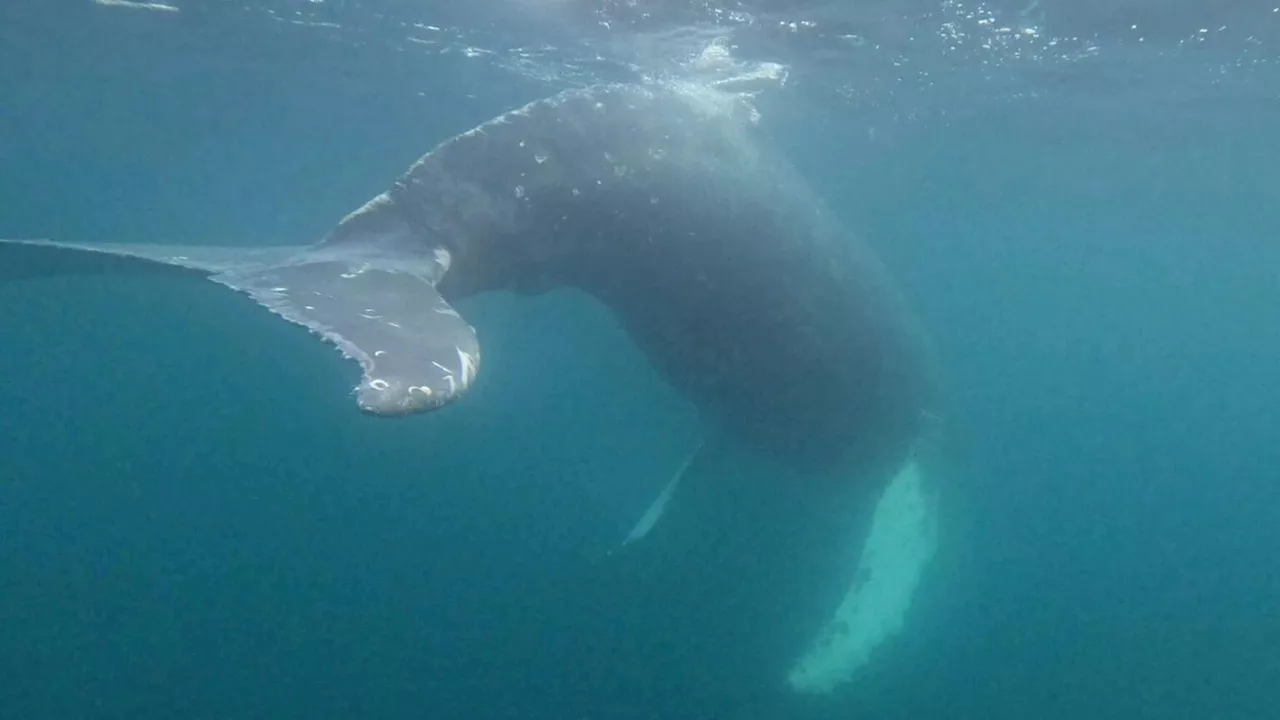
x=416, y=352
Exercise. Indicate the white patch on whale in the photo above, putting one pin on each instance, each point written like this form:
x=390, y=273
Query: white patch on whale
x=901, y=542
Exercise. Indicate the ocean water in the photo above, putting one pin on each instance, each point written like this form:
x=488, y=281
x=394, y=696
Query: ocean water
x=196, y=523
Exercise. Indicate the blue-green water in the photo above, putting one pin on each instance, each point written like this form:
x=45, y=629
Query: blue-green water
x=196, y=523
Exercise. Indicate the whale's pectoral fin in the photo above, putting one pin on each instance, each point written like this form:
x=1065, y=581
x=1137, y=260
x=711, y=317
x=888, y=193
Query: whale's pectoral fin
x=415, y=351
x=658, y=507
x=901, y=542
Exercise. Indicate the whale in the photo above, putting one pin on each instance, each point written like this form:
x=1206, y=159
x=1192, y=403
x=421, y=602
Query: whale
x=666, y=202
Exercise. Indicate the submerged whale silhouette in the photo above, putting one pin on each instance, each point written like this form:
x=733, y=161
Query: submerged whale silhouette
x=664, y=202
x=660, y=200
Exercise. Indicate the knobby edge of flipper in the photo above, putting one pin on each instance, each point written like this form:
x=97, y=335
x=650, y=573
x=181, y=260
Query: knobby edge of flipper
x=896, y=550
x=416, y=353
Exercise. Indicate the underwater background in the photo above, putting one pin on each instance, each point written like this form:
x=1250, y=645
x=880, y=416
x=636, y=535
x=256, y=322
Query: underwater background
x=196, y=523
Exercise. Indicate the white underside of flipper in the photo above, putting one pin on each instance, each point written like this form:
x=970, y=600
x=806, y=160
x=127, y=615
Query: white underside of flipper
x=901, y=542
x=658, y=507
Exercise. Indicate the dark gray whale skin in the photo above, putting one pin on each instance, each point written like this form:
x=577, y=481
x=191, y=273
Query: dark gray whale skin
x=664, y=202
x=728, y=271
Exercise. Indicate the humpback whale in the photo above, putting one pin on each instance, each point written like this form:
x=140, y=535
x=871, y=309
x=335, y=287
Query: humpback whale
x=661, y=200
